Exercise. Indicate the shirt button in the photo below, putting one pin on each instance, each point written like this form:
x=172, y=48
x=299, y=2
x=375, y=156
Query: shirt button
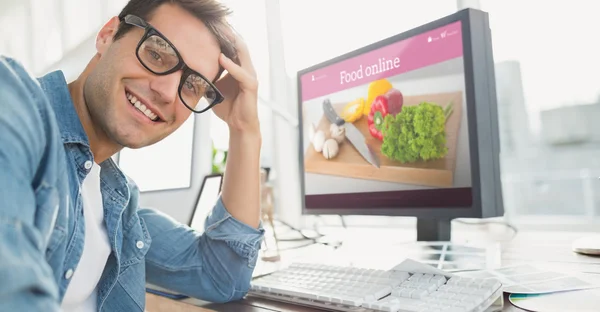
x=69, y=273
x=139, y=244
x=88, y=165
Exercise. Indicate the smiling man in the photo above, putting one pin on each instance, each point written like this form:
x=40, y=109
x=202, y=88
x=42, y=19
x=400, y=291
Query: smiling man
x=72, y=234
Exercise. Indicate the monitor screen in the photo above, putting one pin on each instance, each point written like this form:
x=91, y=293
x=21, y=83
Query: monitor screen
x=207, y=198
x=387, y=127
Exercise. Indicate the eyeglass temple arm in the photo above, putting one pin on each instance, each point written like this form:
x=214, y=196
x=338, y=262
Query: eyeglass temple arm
x=135, y=21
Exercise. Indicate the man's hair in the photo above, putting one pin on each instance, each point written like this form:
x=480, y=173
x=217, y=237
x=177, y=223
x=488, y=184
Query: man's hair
x=211, y=12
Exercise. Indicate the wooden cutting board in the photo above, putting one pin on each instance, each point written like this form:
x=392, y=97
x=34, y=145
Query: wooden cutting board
x=349, y=163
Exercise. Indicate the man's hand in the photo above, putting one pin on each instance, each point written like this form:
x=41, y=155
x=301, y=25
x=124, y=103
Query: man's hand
x=241, y=183
x=240, y=89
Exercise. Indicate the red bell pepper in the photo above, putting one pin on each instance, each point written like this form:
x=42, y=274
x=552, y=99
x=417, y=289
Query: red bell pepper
x=379, y=109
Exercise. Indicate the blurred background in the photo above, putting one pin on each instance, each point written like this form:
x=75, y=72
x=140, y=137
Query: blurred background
x=547, y=83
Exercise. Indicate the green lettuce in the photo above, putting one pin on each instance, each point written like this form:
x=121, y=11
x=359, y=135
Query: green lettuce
x=416, y=133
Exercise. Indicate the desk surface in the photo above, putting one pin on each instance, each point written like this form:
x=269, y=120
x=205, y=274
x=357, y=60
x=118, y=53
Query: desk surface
x=161, y=304
x=551, y=250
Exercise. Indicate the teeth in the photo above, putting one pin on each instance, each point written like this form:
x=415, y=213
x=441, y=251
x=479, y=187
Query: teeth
x=141, y=107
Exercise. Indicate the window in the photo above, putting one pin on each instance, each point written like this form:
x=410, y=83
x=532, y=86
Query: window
x=553, y=44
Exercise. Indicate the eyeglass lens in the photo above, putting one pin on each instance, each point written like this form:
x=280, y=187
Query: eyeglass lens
x=159, y=56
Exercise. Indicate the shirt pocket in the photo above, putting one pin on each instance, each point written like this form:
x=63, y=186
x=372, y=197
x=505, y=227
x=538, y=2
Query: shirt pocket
x=47, y=219
x=136, y=242
x=56, y=239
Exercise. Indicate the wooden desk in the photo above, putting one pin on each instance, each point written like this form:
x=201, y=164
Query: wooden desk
x=161, y=304
x=548, y=249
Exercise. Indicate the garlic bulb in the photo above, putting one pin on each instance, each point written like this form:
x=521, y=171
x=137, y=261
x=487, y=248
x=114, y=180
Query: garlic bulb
x=318, y=140
x=330, y=149
x=338, y=133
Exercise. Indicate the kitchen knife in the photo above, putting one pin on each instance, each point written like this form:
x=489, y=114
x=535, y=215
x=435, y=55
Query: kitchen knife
x=352, y=133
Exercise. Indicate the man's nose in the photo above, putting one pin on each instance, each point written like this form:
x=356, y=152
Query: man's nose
x=166, y=87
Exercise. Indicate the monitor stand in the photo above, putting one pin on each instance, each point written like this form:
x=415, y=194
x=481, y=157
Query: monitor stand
x=429, y=230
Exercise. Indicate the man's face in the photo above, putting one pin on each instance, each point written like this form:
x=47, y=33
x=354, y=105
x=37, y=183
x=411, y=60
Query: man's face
x=119, y=76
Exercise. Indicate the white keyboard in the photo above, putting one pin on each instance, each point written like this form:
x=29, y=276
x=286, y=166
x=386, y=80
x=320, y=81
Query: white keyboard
x=408, y=287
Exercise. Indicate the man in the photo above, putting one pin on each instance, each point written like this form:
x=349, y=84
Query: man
x=72, y=234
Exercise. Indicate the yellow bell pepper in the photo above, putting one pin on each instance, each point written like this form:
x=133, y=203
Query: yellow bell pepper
x=353, y=110
x=376, y=88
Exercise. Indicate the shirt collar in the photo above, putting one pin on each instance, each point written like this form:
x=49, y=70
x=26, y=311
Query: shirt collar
x=55, y=86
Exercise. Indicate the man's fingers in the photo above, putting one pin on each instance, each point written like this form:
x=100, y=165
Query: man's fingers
x=244, y=55
x=242, y=50
x=239, y=73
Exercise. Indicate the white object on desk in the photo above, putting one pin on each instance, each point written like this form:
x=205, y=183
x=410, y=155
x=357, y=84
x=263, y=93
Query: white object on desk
x=530, y=279
x=408, y=287
x=572, y=301
x=589, y=245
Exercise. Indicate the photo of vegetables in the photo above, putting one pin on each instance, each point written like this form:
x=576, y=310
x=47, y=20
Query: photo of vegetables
x=414, y=137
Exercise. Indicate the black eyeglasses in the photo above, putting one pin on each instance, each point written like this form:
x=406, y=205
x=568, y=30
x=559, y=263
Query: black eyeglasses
x=159, y=56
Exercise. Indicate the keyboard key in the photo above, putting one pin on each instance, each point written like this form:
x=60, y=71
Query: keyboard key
x=352, y=301
x=410, y=284
x=455, y=289
x=426, y=278
x=454, y=280
x=415, y=277
x=446, y=295
x=438, y=280
x=431, y=288
x=465, y=282
x=407, y=293
x=418, y=294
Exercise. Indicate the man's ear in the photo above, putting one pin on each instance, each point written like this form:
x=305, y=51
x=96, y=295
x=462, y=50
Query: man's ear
x=106, y=33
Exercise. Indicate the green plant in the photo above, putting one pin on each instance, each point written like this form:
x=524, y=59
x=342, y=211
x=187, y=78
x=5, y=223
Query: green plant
x=219, y=159
x=416, y=133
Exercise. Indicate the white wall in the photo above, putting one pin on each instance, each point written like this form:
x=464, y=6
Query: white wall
x=180, y=203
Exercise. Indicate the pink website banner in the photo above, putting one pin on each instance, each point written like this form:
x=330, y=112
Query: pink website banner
x=426, y=49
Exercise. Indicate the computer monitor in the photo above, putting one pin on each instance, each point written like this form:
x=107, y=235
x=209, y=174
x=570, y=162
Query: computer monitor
x=419, y=127
x=206, y=200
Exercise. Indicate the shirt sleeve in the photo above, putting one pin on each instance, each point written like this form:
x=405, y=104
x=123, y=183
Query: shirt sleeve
x=215, y=265
x=26, y=279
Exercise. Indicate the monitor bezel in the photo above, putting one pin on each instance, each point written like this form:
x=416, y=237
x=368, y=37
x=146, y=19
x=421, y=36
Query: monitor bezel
x=480, y=91
x=204, y=181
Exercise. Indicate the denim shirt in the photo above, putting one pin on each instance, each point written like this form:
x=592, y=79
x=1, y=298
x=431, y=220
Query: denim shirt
x=44, y=157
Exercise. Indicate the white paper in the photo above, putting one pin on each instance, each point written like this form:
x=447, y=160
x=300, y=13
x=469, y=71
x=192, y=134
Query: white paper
x=413, y=266
x=527, y=279
x=164, y=165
